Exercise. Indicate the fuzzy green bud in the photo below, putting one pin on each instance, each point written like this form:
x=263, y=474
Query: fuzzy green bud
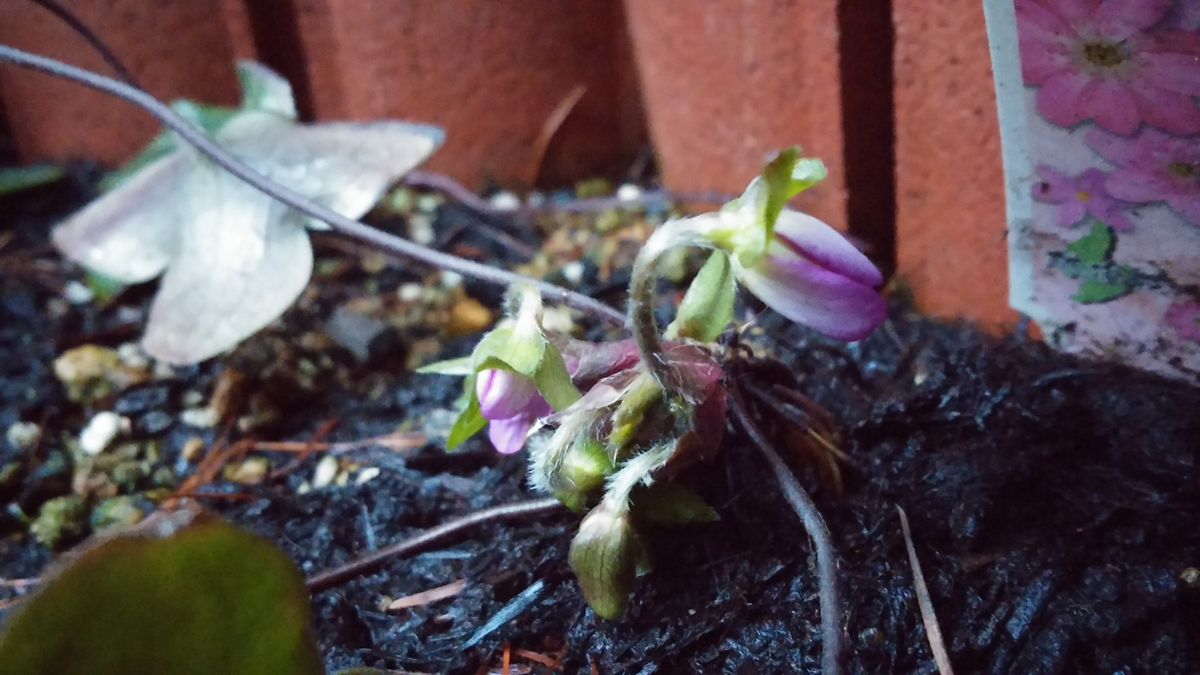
x=604, y=556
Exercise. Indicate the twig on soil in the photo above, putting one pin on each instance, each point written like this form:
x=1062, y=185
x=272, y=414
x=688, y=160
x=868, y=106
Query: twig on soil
x=430, y=538
x=802, y=504
x=427, y=596
x=348, y=227
x=933, y=632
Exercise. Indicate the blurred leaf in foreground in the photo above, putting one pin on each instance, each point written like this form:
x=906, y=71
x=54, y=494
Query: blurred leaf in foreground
x=182, y=593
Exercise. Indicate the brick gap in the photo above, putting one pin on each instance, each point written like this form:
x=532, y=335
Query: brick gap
x=866, y=38
x=275, y=26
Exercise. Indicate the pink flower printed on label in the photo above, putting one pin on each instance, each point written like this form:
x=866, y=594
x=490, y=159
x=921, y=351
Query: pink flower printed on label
x=1116, y=62
x=1184, y=317
x=1153, y=167
x=1078, y=197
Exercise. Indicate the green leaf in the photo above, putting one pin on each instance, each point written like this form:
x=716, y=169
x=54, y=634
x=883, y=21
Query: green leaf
x=786, y=175
x=185, y=594
x=603, y=556
x=470, y=421
x=104, y=289
x=1095, y=292
x=17, y=179
x=707, y=307
x=553, y=381
x=777, y=176
x=263, y=89
x=671, y=504
x=459, y=366
x=1097, y=246
x=521, y=353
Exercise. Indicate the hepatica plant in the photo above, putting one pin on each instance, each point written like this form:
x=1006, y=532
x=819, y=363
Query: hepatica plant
x=606, y=425
x=232, y=259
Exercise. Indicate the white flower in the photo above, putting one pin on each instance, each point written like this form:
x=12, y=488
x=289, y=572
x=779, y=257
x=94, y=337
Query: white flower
x=233, y=259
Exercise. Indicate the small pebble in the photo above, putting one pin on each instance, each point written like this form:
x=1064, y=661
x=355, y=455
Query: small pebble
x=420, y=229
x=121, y=510
x=367, y=475
x=250, y=471
x=409, y=292
x=100, y=431
x=467, y=317
x=77, y=293
x=429, y=202
x=629, y=192
x=201, y=418
x=131, y=354
x=60, y=520
x=23, y=435
x=192, y=449
x=451, y=280
x=573, y=272
x=325, y=472
x=505, y=201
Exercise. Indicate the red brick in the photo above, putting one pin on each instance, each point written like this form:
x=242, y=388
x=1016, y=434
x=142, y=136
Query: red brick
x=175, y=49
x=726, y=83
x=950, y=218
x=490, y=73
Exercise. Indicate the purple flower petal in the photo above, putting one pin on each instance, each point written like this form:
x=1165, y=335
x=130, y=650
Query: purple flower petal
x=812, y=239
x=508, y=435
x=503, y=394
x=806, y=293
x=1119, y=19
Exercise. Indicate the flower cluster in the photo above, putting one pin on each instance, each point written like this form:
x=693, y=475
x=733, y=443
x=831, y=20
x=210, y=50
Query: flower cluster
x=1132, y=67
x=605, y=423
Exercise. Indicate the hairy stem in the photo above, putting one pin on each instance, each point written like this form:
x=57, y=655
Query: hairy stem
x=430, y=538
x=345, y=226
x=802, y=504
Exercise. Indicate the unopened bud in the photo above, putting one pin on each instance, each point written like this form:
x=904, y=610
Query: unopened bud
x=604, y=557
x=581, y=473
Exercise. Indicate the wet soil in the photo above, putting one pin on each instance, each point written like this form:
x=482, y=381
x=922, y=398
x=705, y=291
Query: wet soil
x=1053, y=500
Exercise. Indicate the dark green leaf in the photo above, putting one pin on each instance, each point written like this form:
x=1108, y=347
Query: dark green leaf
x=707, y=308
x=204, y=599
x=671, y=504
x=470, y=421
x=1097, y=246
x=1095, y=292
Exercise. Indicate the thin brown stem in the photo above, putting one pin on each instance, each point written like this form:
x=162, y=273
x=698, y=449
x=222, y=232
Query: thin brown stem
x=802, y=504
x=430, y=538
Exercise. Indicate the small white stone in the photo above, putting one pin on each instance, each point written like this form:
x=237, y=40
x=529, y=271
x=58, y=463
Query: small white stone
x=535, y=200
x=410, y=292
x=573, y=272
x=192, y=398
x=558, y=319
x=451, y=280
x=420, y=229
x=325, y=472
x=100, y=431
x=201, y=418
x=77, y=293
x=629, y=192
x=429, y=202
x=23, y=435
x=505, y=201
x=131, y=354
x=366, y=475
x=128, y=314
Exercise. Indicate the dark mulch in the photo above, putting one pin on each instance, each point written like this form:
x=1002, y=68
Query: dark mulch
x=1054, y=505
